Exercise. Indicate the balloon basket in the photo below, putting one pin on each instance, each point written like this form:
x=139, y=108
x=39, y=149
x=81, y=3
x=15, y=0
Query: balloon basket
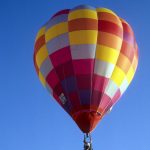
x=87, y=141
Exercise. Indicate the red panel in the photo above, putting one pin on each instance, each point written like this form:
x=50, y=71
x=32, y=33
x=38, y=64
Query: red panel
x=96, y=98
x=116, y=96
x=74, y=99
x=107, y=108
x=61, y=56
x=127, y=50
x=113, y=101
x=65, y=70
x=60, y=72
x=127, y=29
x=65, y=11
x=83, y=66
x=106, y=26
x=52, y=79
x=39, y=43
x=105, y=100
x=83, y=24
x=99, y=83
x=128, y=35
x=58, y=89
x=84, y=81
x=68, y=69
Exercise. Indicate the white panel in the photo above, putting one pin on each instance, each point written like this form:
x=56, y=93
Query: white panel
x=56, y=20
x=46, y=67
x=58, y=43
x=124, y=86
x=103, y=68
x=83, y=51
x=111, y=89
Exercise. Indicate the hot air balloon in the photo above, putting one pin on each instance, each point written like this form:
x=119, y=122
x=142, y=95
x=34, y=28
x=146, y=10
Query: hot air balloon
x=86, y=58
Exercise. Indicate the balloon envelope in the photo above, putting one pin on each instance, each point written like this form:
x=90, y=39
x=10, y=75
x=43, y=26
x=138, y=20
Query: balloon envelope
x=86, y=58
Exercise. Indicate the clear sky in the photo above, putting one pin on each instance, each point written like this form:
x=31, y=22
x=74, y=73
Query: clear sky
x=30, y=119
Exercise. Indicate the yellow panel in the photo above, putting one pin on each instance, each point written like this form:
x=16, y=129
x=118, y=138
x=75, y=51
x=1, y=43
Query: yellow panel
x=41, y=55
x=107, y=54
x=56, y=31
x=130, y=74
x=41, y=32
x=105, y=10
x=42, y=79
x=118, y=76
x=134, y=63
x=82, y=13
x=83, y=37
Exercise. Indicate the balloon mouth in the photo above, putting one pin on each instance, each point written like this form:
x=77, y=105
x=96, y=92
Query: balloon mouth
x=87, y=119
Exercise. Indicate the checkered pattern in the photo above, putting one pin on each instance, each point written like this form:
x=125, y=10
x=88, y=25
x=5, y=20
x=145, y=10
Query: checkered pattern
x=86, y=58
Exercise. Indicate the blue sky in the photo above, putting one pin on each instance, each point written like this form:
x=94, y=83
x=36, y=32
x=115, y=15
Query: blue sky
x=30, y=119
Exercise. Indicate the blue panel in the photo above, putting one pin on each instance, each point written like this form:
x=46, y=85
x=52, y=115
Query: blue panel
x=56, y=20
x=83, y=7
x=58, y=43
x=85, y=96
x=69, y=84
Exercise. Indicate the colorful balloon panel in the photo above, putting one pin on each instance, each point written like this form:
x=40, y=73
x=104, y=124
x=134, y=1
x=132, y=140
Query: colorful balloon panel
x=86, y=58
